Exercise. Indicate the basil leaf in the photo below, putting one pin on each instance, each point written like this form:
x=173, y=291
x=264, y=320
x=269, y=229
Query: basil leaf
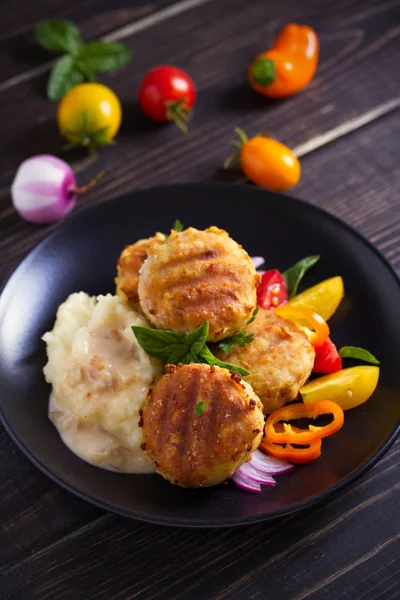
x=59, y=35
x=177, y=353
x=157, y=342
x=189, y=357
x=178, y=226
x=64, y=76
x=85, y=68
x=359, y=354
x=253, y=316
x=208, y=357
x=197, y=338
x=104, y=57
x=200, y=408
x=295, y=274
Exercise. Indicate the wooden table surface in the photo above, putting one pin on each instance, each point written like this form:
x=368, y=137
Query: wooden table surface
x=346, y=127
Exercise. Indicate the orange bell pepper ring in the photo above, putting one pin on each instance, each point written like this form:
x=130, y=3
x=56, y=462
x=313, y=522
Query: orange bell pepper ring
x=291, y=435
x=315, y=327
x=293, y=454
x=289, y=65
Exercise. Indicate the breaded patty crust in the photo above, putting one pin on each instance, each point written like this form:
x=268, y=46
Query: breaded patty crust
x=198, y=276
x=129, y=263
x=200, y=424
x=280, y=359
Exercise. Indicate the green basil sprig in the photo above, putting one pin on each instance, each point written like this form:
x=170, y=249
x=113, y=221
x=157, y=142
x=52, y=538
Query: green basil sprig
x=81, y=61
x=175, y=348
x=295, y=274
x=358, y=354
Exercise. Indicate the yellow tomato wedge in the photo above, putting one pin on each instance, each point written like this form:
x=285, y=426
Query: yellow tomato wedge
x=348, y=387
x=323, y=298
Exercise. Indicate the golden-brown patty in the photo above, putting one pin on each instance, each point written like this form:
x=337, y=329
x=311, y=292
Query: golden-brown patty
x=128, y=266
x=198, y=276
x=280, y=359
x=200, y=424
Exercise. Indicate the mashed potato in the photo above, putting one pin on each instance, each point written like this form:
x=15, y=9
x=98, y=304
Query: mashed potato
x=100, y=377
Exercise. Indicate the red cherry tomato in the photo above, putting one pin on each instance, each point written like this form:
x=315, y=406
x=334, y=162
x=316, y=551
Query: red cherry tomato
x=327, y=359
x=272, y=291
x=167, y=94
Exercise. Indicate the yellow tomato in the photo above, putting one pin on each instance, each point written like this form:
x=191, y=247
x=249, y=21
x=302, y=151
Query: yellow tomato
x=269, y=164
x=323, y=298
x=89, y=115
x=348, y=388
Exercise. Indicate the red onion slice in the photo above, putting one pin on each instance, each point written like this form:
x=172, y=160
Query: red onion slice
x=257, y=261
x=258, y=471
x=245, y=483
x=252, y=473
x=269, y=464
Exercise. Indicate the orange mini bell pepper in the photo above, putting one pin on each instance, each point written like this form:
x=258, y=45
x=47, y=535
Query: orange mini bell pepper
x=314, y=325
x=289, y=66
x=294, y=435
x=293, y=454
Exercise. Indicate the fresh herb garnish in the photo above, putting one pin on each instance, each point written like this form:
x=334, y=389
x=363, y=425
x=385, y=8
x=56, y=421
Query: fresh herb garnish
x=200, y=408
x=239, y=339
x=175, y=348
x=253, y=316
x=295, y=274
x=359, y=354
x=178, y=226
x=81, y=61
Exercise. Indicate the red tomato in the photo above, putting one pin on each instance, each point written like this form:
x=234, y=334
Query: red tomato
x=327, y=359
x=272, y=291
x=167, y=94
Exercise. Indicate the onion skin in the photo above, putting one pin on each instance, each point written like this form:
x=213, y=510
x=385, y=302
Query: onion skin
x=43, y=189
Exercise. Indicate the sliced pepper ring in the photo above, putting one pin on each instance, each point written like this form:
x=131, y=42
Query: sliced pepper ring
x=292, y=453
x=294, y=435
x=316, y=328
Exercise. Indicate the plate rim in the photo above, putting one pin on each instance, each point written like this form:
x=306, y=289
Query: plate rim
x=179, y=522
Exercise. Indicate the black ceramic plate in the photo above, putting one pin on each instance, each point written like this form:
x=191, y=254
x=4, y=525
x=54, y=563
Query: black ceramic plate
x=81, y=255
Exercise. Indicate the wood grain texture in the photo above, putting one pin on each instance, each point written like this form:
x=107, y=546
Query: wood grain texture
x=18, y=49
x=356, y=177
x=336, y=550
x=335, y=178
x=215, y=45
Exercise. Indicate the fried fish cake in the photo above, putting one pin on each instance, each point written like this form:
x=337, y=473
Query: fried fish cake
x=198, y=276
x=280, y=359
x=128, y=266
x=200, y=424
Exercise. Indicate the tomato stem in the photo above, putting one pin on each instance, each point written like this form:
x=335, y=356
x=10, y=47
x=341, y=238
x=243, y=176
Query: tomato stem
x=243, y=139
x=178, y=112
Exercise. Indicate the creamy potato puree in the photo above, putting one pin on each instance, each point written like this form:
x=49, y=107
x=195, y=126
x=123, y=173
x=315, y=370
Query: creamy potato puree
x=100, y=377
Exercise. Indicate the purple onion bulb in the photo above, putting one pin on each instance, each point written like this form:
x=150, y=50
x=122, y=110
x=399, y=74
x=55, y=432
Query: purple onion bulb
x=43, y=190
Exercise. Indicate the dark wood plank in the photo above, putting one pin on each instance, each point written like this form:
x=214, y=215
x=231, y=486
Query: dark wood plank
x=333, y=177
x=44, y=511
x=215, y=46
x=345, y=549
x=18, y=50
